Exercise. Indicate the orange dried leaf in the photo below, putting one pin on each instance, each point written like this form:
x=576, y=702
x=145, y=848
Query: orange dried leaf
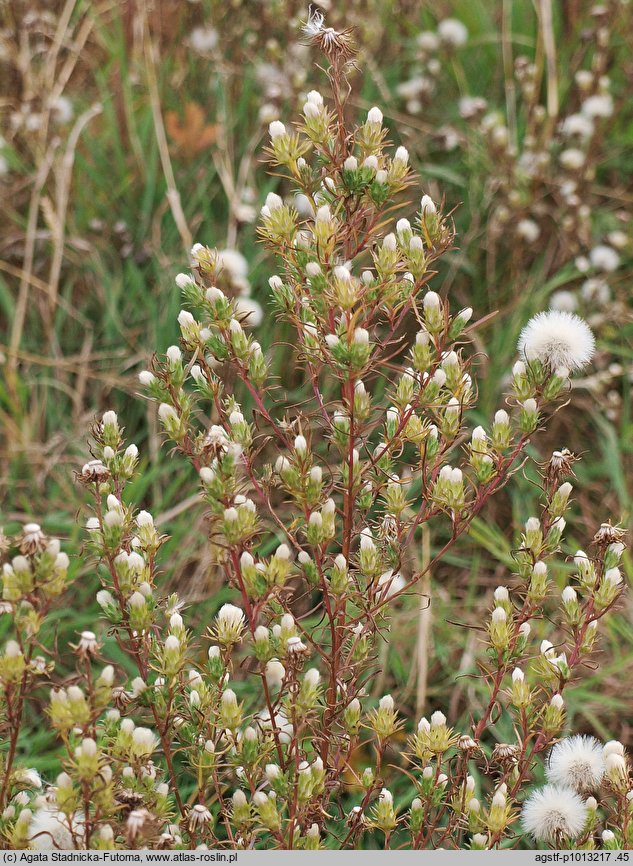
x=192, y=134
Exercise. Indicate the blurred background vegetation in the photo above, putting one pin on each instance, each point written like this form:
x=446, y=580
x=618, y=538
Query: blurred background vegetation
x=131, y=129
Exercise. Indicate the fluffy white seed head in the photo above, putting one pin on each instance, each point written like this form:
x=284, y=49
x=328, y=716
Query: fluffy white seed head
x=559, y=339
x=604, y=258
x=576, y=762
x=452, y=32
x=600, y=105
x=552, y=812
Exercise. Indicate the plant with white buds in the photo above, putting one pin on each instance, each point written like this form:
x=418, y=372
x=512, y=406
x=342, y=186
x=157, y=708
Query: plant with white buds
x=334, y=482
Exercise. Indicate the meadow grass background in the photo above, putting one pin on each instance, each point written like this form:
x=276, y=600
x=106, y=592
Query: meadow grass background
x=90, y=246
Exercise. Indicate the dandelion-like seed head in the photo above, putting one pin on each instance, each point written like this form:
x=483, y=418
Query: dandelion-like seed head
x=576, y=762
x=559, y=339
x=553, y=812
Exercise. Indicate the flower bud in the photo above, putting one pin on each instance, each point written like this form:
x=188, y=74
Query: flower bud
x=229, y=625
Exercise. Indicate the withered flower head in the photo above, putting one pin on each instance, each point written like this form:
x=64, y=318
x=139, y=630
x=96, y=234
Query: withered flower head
x=130, y=800
x=39, y=665
x=94, y=470
x=137, y=822
x=199, y=816
x=388, y=529
x=337, y=45
x=560, y=465
x=168, y=839
x=88, y=645
x=121, y=697
x=295, y=646
x=608, y=534
x=505, y=753
x=32, y=539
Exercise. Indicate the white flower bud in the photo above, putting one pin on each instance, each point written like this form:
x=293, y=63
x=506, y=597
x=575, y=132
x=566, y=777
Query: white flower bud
x=167, y=413
x=431, y=301
x=146, y=377
x=275, y=673
x=427, y=206
x=283, y=552
x=312, y=677
x=438, y=719
x=276, y=129
x=387, y=703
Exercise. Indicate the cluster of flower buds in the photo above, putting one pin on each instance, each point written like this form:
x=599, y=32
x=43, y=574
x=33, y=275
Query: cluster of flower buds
x=33, y=578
